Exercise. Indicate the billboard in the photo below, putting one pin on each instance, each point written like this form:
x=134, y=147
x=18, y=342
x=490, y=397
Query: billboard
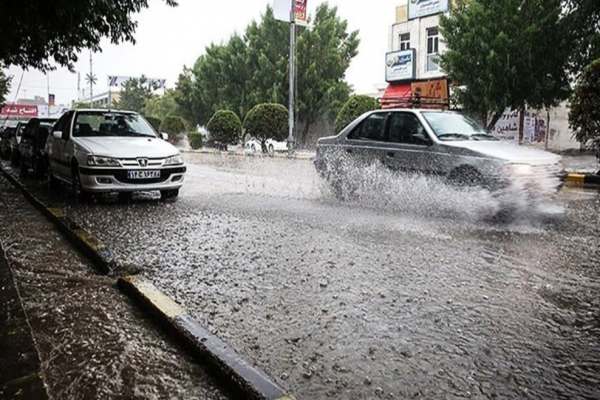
x=19, y=111
x=400, y=65
x=423, y=8
x=282, y=10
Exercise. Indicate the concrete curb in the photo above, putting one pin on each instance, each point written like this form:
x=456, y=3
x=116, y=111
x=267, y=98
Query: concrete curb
x=240, y=377
x=86, y=243
x=248, y=381
x=582, y=179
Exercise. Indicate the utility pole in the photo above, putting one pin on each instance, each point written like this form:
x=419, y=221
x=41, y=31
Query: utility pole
x=292, y=68
x=91, y=80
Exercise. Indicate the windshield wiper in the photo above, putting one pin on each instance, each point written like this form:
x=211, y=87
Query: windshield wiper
x=453, y=135
x=483, y=136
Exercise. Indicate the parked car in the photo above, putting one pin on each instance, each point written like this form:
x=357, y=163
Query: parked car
x=271, y=145
x=32, y=148
x=100, y=151
x=442, y=143
x=6, y=136
x=13, y=143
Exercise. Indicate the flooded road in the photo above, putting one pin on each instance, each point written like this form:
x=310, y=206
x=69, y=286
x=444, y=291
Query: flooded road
x=403, y=292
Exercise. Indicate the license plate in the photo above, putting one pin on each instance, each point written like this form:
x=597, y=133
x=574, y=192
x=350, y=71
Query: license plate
x=143, y=174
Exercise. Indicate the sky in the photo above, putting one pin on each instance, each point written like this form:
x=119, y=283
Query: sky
x=169, y=38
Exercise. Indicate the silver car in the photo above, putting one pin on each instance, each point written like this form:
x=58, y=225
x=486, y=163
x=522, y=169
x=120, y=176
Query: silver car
x=442, y=143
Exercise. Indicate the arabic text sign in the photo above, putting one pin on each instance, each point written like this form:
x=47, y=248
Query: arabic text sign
x=431, y=89
x=19, y=110
x=422, y=8
x=400, y=65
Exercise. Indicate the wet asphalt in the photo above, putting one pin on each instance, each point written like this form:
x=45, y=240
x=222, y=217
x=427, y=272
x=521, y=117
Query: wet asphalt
x=407, y=291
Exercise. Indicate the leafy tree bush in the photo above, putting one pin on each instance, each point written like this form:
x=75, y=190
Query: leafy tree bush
x=155, y=122
x=196, y=140
x=355, y=107
x=4, y=85
x=173, y=126
x=86, y=23
x=584, y=117
x=267, y=121
x=225, y=127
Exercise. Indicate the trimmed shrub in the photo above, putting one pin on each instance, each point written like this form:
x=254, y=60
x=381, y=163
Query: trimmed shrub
x=267, y=121
x=172, y=126
x=196, y=140
x=155, y=122
x=225, y=127
x=354, y=108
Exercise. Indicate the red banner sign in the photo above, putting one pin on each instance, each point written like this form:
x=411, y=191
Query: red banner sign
x=19, y=111
x=301, y=12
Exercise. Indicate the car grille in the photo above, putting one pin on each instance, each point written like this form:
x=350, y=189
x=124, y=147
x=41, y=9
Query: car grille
x=121, y=175
x=133, y=162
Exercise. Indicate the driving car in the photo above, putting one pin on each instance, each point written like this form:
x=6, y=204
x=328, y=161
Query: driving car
x=100, y=151
x=443, y=143
x=33, y=143
x=6, y=135
x=271, y=145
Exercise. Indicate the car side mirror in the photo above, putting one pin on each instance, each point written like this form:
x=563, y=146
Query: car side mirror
x=57, y=134
x=164, y=136
x=423, y=139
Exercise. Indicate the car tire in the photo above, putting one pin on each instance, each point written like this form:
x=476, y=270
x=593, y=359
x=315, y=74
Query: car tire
x=14, y=159
x=466, y=177
x=52, y=181
x=169, y=194
x=78, y=192
x=271, y=150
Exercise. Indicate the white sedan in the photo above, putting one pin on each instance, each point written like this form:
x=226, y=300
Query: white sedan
x=100, y=151
x=253, y=146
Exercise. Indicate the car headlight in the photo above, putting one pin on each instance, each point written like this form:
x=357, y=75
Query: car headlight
x=520, y=169
x=100, y=161
x=174, y=160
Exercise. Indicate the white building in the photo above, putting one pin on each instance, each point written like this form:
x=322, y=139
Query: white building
x=412, y=63
x=413, y=70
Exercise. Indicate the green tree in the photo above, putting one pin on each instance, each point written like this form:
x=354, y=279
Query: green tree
x=582, y=24
x=196, y=140
x=355, y=107
x=326, y=51
x=584, y=116
x=225, y=127
x=161, y=106
x=4, y=85
x=134, y=95
x=267, y=121
x=506, y=54
x=61, y=29
x=253, y=69
x=173, y=126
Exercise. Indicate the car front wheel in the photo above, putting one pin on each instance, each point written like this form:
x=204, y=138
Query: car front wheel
x=78, y=191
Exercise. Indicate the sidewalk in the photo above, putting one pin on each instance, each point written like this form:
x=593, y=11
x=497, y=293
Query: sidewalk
x=20, y=375
x=92, y=341
x=586, y=164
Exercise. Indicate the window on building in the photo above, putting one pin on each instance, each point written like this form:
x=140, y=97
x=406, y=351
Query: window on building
x=433, y=49
x=404, y=41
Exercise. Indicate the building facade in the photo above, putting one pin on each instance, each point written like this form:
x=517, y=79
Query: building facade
x=413, y=71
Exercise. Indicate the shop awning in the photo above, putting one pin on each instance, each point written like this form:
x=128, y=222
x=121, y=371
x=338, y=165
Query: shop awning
x=396, y=95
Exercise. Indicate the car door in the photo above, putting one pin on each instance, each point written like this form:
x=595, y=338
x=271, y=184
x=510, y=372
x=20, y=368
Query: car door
x=367, y=142
x=410, y=148
x=58, y=154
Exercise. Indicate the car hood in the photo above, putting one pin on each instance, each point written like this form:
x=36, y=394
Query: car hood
x=122, y=147
x=507, y=151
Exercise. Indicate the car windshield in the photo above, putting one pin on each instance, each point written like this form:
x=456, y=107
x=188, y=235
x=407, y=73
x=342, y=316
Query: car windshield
x=110, y=123
x=454, y=126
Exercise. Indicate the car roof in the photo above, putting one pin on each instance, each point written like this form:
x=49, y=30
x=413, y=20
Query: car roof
x=104, y=110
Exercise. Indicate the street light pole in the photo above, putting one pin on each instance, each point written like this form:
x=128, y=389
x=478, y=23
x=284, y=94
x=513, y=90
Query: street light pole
x=292, y=74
